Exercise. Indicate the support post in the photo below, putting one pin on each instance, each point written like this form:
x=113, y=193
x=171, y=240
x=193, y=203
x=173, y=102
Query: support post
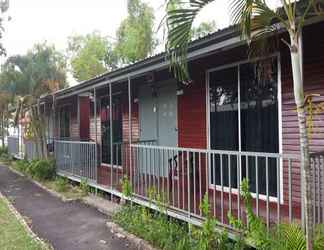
x=111, y=137
x=95, y=121
x=130, y=127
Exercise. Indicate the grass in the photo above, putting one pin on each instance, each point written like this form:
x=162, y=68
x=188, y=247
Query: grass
x=13, y=235
x=69, y=192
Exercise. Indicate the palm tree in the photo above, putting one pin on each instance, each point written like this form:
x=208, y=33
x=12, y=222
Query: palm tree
x=256, y=21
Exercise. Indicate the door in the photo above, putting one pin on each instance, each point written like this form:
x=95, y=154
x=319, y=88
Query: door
x=167, y=115
x=158, y=125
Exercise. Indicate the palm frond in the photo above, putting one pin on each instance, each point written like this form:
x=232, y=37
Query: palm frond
x=180, y=17
x=288, y=237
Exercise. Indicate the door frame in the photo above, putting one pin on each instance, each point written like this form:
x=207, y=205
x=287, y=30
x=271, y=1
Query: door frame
x=279, y=97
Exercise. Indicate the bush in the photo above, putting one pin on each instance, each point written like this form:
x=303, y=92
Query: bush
x=61, y=183
x=84, y=186
x=3, y=150
x=22, y=166
x=42, y=169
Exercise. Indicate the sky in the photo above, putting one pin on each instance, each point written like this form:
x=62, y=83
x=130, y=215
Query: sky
x=35, y=21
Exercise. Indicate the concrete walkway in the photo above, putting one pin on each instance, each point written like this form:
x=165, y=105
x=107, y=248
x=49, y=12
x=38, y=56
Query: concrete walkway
x=65, y=225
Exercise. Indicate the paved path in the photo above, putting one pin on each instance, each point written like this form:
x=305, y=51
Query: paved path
x=66, y=225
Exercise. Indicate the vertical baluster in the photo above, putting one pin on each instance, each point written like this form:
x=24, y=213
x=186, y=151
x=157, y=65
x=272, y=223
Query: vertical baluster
x=163, y=174
x=146, y=171
x=214, y=181
x=313, y=170
x=168, y=175
x=289, y=190
x=222, y=187
x=194, y=180
x=188, y=180
x=238, y=166
x=178, y=180
x=159, y=170
x=230, y=184
x=200, y=179
x=267, y=192
x=322, y=176
x=172, y=176
x=319, y=191
x=183, y=180
x=257, y=184
x=278, y=189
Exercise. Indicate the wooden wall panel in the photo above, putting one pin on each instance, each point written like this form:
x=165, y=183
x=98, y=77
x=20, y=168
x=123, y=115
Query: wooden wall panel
x=313, y=61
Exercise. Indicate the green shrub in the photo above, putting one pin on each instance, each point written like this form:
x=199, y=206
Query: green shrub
x=156, y=228
x=84, y=186
x=61, y=183
x=3, y=150
x=42, y=169
x=22, y=166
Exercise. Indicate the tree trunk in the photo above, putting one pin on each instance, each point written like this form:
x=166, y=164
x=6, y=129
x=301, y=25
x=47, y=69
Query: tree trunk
x=2, y=130
x=306, y=193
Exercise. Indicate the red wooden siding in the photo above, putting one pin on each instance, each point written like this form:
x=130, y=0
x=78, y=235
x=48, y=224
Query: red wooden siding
x=313, y=61
x=84, y=114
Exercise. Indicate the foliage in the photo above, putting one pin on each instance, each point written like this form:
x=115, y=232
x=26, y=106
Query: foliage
x=13, y=234
x=61, y=183
x=168, y=233
x=126, y=187
x=40, y=71
x=84, y=186
x=22, y=166
x=155, y=228
x=203, y=29
x=90, y=55
x=4, y=6
x=135, y=37
x=42, y=169
x=3, y=150
x=280, y=237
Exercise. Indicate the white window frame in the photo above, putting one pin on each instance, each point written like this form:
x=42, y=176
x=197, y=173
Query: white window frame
x=279, y=97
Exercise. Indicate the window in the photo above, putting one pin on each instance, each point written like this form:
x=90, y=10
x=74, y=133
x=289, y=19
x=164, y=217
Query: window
x=116, y=130
x=244, y=117
x=64, y=122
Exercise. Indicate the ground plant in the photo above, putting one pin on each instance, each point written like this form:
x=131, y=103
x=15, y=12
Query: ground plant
x=279, y=237
x=61, y=183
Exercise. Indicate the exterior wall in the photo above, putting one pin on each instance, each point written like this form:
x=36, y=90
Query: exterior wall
x=313, y=61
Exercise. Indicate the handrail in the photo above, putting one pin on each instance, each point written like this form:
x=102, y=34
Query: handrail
x=214, y=151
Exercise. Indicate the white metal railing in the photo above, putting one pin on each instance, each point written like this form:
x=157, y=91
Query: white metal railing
x=185, y=175
x=13, y=145
x=77, y=158
x=182, y=176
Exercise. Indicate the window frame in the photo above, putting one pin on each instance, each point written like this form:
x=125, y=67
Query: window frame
x=208, y=130
x=110, y=165
x=64, y=106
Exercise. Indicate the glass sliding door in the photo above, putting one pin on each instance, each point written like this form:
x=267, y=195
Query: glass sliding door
x=224, y=124
x=259, y=121
x=116, y=123
x=243, y=116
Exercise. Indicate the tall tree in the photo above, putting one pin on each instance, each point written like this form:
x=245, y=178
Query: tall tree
x=90, y=55
x=256, y=21
x=135, y=36
x=203, y=29
x=4, y=6
x=41, y=71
